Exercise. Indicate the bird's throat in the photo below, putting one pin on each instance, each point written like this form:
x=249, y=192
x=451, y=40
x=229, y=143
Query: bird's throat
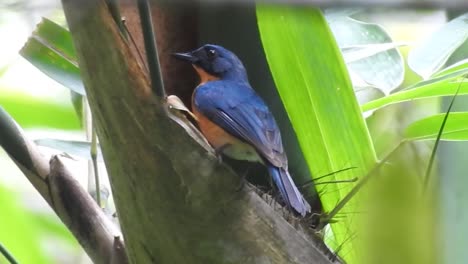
x=204, y=76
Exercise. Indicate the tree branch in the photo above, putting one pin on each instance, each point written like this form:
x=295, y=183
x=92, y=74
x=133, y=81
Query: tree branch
x=73, y=205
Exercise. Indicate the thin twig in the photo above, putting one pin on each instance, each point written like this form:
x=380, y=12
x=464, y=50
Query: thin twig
x=115, y=12
x=338, y=181
x=8, y=256
x=308, y=183
x=134, y=44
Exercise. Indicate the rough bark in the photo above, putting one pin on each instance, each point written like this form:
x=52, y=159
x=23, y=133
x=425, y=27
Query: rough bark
x=176, y=203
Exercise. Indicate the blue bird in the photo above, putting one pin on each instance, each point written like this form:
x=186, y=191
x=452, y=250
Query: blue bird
x=236, y=121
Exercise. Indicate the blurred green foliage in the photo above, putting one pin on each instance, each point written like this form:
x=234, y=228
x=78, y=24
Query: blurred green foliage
x=26, y=233
x=19, y=233
x=34, y=112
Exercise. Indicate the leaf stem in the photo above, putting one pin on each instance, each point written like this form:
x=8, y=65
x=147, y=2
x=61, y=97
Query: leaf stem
x=150, y=47
x=95, y=165
x=327, y=217
x=436, y=144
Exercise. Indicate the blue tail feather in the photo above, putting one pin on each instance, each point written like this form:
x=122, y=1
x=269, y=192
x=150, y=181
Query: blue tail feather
x=288, y=190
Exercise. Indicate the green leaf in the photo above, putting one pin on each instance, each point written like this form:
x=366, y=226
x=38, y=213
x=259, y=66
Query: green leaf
x=58, y=37
x=369, y=52
x=455, y=68
x=81, y=149
x=314, y=86
x=456, y=127
x=433, y=53
x=443, y=83
x=439, y=86
x=50, y=49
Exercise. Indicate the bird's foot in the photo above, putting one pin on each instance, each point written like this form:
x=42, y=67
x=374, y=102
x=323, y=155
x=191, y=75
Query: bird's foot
x=219, y=157
x=241, y=185
x=219, y=152
x=243, y=179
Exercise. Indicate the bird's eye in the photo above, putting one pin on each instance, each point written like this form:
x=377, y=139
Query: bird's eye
x=211, y=53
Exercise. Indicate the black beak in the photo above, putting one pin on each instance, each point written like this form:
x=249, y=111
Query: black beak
x=186, y=57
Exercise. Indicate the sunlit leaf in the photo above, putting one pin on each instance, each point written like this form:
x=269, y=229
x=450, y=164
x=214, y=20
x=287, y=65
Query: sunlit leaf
x=314, y=86
x=367, y=95
x=440, y=86
x=358, y=52
x=456, y=127
x=332, y=14
x=50, y=49
x=57, y=37
x=460, y=68
x=369, y=52
x=432, y=53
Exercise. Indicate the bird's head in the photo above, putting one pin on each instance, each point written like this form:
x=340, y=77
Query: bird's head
x=214, y=62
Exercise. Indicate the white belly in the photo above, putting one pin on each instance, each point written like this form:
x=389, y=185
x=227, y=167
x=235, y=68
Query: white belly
x=242, y=151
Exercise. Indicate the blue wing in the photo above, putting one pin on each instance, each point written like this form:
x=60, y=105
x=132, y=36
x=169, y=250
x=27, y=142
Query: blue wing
x=236, y=108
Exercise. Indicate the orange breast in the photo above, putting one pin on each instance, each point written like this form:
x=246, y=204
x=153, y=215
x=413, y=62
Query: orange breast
x=217, y=136
x=222, y=140
x=204, y=76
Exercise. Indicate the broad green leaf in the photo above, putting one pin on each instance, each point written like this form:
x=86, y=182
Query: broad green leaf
x=369, y=52
x=441, y=86
x=314, y=86
x=81, y=149
x=432, y=54
x=50, y=49
x=456, y=127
